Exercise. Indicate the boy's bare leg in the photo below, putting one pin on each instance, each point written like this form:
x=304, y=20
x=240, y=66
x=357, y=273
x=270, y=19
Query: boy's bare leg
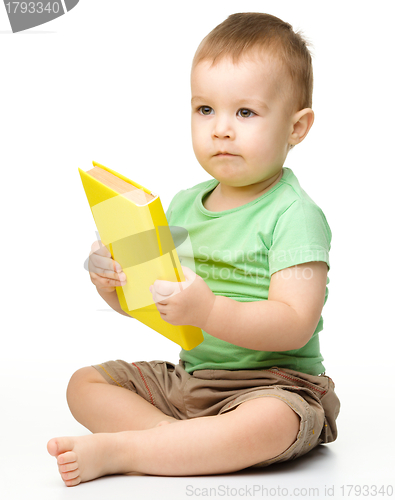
x=256, y=430
x=102, y=407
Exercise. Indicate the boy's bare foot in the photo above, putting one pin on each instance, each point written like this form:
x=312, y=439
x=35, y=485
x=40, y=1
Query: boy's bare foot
x=84, y=458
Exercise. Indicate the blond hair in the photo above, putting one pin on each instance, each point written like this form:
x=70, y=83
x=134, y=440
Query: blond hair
x=243, y=33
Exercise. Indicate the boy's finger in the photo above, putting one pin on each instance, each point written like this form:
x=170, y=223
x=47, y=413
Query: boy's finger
x=105, y=280
x=109, y=274
x=164, y=288
x=102, y=284
x=100, y=249
x=97, y=261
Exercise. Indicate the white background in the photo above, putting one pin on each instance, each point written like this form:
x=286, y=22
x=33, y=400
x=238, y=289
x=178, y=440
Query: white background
x=109, y=82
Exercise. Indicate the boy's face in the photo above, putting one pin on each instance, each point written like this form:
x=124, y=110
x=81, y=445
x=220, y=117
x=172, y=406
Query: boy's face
x=241, y=110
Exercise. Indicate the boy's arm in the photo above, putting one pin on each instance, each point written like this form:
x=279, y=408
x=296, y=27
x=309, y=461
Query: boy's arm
x=285, y=321
x=112, y=300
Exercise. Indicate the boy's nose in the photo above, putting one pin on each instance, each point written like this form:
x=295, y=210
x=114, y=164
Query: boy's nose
x=223, y=129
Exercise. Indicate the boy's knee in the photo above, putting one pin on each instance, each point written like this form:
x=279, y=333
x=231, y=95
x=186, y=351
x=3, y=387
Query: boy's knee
x=273, y=420
x=79, y=381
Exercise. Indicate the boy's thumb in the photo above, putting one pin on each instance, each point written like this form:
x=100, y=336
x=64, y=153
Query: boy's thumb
x=189, y=274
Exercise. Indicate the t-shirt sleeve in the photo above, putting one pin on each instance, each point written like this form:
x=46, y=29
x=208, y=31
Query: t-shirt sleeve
x=301, y=234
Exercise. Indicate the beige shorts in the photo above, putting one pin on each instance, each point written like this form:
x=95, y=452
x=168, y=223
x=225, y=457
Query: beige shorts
x=211, y=392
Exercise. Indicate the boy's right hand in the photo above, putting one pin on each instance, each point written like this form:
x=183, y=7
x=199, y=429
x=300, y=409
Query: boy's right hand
x=104, y=272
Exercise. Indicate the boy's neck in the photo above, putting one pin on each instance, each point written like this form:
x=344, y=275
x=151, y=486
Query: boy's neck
x=226, y=197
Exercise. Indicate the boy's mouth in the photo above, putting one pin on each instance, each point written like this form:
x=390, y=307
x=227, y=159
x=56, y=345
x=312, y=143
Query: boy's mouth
x=224, y=153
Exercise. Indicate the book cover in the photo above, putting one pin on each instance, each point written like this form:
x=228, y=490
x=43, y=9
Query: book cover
x=132, y=224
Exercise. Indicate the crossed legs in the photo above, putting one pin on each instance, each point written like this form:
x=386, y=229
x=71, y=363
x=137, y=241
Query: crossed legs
x=131, y=435
x=102, y=407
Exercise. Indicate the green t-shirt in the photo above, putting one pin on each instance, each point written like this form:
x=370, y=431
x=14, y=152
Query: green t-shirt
x=236, y=252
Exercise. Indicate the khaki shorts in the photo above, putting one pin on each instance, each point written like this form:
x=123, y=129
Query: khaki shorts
x=211, y=392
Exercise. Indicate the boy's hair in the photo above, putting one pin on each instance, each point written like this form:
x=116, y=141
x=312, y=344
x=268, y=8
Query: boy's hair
x=241, y=34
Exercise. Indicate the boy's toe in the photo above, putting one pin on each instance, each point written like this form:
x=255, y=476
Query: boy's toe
x=67, y=458
x=72, y=482
x=68, y=467
x=52, y=447
x=69, y=476
x=58, y=446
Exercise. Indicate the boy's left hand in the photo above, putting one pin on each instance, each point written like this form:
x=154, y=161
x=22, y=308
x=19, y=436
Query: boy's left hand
x=184, y=303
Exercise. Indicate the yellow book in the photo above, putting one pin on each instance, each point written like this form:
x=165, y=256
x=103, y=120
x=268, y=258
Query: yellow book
x=133, y=226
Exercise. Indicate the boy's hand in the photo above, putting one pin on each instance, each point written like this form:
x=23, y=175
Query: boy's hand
x=184, y=303
x=104, y=272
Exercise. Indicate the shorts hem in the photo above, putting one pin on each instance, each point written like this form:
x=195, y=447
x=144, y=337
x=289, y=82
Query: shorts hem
x=109, y=378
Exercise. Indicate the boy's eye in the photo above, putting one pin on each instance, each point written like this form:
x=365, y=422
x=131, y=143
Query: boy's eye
x=205, y=110
x=245, y=113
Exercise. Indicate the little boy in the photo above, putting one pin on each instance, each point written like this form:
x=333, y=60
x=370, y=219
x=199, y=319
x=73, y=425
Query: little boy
x=254, y=391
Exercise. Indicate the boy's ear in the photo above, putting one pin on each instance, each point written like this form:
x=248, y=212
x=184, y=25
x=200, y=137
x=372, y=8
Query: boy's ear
x=302, y=122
